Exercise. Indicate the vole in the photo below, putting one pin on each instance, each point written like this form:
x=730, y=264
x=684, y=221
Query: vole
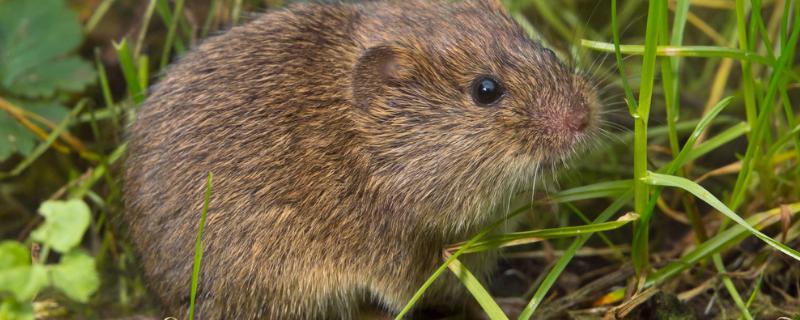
x=350, y=143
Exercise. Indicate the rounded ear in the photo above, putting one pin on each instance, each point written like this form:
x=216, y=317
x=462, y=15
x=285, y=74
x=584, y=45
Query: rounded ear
x=376, y=69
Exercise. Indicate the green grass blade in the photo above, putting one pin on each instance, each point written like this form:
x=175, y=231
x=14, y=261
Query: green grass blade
x=722, y=138
x=546, y=11
x=148, y=14
x=514, y=238
x=682, y=51
x=236, y=12
x=144, y=73
x=785, y=138
x=703, y=194
x=707, y=119
x=173, y=27
x=722, y=240
x=670, y=96
x=210, y=17
x=562, y=262
x=761, y=124
x=424, y=287
x=198, y=247
x=730, y=287
x=641, y=232
x=641, y=191
x=477, y=290
x=629, y=99
x=97, y=15
x=593, y=191
x=670, y=72
x=105, y=88
x=51, y=138
x=129, y=71
x=98, y=172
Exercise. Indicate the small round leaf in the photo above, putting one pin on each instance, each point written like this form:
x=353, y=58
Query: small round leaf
x=76, y=275
x=64, y=225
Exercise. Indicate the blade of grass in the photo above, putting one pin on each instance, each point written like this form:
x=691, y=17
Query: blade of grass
x=477, y=290
x=210, y=17
x=629, y=99
x=785, y=138
x=42, y=147
x=144, y=73
x=511, y=239
x=669, y=85
x=546, y=11
x=722, y=240
x=162, y=6
x=236, y=12
x=129, y=71
x=198, y=247
x=424, y=287
x=98, y=172
x=683, y=126
x=171, y=31
x=641, y=190
x=97, y=15
x=562, y=262
x=761, y=124
x=640, y=237
x=105, y=88
x=730, y=287
x=703, y=194
x=593, y=191
x=681, y=51
x=148, y=14
x=722, y=138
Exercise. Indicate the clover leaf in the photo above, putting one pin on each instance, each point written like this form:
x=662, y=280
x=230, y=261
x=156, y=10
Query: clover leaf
x=64, y=224
x=36, y=38
x=76, y=275
x=17, y=275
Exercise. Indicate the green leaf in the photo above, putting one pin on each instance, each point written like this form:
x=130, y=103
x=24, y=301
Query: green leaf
x=17, y=275
x=34, y=37
x=71, y=74
x=14, y=138
x=703, y=194
x=11, y=309
x=76, y=275
x=13, y=254
x=64, y=225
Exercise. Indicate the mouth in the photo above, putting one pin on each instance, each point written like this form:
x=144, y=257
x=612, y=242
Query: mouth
x=564, y=146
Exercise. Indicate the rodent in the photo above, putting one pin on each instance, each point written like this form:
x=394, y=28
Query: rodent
x=350, y=143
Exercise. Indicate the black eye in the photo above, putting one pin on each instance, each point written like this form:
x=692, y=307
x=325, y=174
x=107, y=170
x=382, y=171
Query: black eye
x=486, y=90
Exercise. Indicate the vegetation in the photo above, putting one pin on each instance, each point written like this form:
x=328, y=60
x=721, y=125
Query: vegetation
x=686, y=208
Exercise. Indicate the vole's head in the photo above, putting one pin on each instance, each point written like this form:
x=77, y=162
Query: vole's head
x=458, y=89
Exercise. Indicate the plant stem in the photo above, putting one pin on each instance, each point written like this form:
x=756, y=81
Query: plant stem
x=641, y=191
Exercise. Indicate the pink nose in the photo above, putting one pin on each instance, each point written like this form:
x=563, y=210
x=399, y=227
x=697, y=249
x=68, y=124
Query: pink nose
x=578, y=120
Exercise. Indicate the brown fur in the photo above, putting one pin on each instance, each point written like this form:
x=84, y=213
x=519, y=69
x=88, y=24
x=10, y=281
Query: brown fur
x=346, y=150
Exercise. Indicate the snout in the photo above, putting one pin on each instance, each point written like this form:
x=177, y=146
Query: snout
x=575, y=121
